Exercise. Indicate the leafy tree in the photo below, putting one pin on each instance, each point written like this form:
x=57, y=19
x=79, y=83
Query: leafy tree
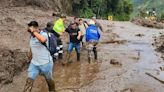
x=119, y=9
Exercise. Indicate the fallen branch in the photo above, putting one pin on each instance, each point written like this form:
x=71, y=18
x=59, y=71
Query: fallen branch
x=162, y=81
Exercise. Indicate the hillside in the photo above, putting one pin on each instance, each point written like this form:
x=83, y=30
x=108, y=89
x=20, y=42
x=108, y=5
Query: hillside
x=148, y=4
x=64, y=6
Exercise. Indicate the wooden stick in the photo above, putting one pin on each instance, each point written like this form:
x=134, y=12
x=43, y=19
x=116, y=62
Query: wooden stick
x=155, y=77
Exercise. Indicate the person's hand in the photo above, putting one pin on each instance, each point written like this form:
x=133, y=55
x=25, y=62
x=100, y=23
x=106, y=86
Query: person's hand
x=78, y=37
x=32, y=29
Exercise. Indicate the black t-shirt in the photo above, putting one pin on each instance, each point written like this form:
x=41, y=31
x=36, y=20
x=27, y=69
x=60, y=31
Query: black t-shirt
x=73, y=33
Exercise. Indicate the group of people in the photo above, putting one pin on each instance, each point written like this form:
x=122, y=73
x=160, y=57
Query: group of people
x=41, y=60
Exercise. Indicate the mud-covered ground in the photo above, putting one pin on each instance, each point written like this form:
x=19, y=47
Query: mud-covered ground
x=159, y=44
x=125, y=54
x=127, y=45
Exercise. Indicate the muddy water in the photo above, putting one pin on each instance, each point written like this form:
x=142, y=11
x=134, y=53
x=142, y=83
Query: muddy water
x=135, y=55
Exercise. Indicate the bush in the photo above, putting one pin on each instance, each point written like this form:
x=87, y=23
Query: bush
x=86, y=13
x=162, y=16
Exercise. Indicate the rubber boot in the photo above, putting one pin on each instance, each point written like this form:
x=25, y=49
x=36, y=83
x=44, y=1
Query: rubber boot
x=89, y=57
x=29, y=85
x=78, y=56
x=95, y=53
x=67, y=59
x=60, y=57
x=51, y=85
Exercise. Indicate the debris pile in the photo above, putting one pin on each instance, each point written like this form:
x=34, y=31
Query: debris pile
x=159, y=43
x=147, y=23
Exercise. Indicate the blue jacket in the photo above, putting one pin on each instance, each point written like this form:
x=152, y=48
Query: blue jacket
x=92, y=33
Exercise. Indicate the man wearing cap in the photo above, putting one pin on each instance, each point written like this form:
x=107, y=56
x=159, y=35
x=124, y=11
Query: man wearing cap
x=58, y=30
x=92, y=38
x=41, y=60
x=74, y=35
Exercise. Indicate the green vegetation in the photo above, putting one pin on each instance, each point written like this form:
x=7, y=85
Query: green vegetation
x=119, y=9
x=141, y=6
x=162, y=16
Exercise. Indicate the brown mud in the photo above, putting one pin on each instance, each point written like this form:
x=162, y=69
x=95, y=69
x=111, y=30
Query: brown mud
x=133, y=57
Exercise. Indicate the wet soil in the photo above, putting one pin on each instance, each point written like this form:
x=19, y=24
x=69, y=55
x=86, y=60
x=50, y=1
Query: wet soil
x=136, y=56
x=12, y=63
x=132, y=56
x=159, y=44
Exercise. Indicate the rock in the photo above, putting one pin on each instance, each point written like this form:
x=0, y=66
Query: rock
x=140, y=35
x=115, y=62
x=161, y=68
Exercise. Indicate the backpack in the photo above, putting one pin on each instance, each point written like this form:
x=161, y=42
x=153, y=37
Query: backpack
x=51, y=42
x=92, y=33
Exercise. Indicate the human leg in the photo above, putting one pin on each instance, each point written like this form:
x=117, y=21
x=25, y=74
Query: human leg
x=77, y=48
x=47, y=71
x=33, y=71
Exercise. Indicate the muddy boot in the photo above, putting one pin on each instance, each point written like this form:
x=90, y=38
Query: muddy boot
x=67, y=59
x=89, y=56
x=51, y=85
x=60, y=57
x=95, y=53
x=78, y=57
x=29, y=85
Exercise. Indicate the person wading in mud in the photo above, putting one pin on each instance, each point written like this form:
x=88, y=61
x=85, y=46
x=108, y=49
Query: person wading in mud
x=39, y=55
x=92, y=38
x=75, y=35
x=83, y=26
x=58, y=30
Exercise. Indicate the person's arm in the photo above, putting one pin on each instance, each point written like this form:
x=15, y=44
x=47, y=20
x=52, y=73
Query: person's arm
x=86, y=25
x=100, y=26
x=29, y=55
x=79, y=34
x=41, y=38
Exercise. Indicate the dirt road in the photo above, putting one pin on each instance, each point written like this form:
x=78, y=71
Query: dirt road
x=123, y=42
